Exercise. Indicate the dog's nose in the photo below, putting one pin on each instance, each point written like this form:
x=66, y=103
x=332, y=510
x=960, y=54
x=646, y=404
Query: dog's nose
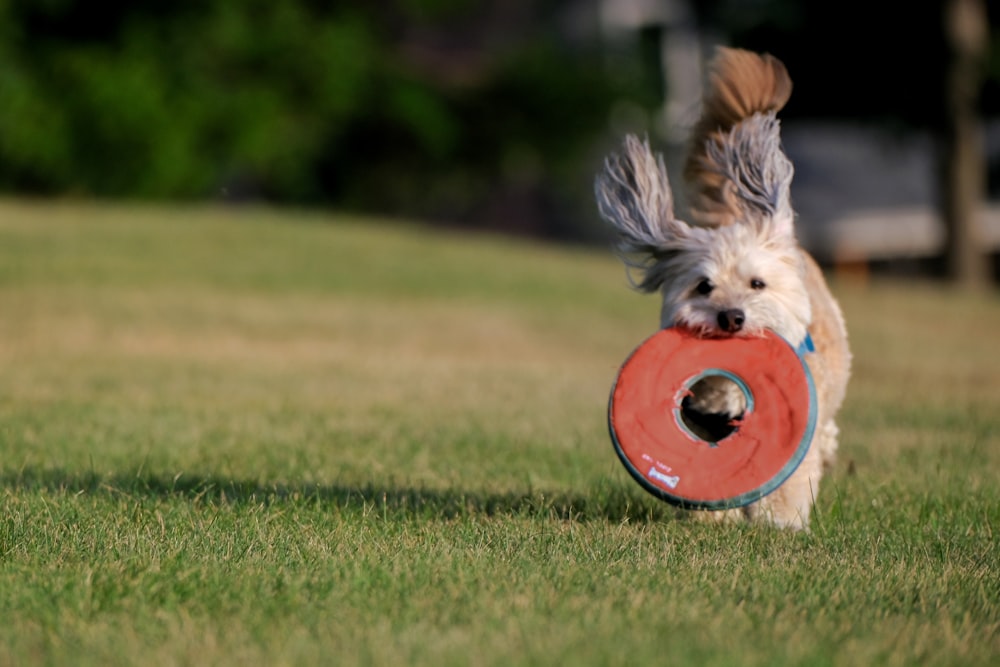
x=731, y=320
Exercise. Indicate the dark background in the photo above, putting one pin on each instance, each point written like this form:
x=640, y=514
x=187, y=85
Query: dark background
x=482, y=115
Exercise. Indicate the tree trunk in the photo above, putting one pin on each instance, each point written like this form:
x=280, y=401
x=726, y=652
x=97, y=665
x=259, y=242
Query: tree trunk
x=967, y=33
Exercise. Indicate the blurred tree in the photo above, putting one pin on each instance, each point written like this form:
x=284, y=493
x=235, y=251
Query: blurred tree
x=467, y=111
x=175, y=100
x=964, y=170
x=490, y=117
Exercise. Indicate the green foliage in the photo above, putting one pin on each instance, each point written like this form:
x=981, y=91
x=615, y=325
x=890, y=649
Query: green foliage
x=239, y=437
x=371, y=105
x=177, y=103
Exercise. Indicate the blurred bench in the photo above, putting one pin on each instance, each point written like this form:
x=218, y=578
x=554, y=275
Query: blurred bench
x=889, y=234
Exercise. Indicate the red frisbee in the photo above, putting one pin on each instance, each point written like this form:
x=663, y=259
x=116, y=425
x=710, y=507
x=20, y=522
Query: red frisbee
x=674, y=464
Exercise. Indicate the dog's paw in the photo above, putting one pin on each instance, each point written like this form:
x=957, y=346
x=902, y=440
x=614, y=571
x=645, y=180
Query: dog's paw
x=716, y=395
x=713, y=408
x=731, y=516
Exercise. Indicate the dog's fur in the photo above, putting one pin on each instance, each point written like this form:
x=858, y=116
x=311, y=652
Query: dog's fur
x=735, y=268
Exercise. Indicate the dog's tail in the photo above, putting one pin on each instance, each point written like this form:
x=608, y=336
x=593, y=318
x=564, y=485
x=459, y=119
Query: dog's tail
x=736, y=136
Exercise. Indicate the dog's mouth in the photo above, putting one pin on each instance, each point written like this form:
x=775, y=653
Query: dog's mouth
x=715, y=332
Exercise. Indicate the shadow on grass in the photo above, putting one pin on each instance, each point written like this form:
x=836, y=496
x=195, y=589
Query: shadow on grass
x=607, y=502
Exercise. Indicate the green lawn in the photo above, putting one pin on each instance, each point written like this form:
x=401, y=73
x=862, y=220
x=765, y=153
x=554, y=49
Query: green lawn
x=245, y=437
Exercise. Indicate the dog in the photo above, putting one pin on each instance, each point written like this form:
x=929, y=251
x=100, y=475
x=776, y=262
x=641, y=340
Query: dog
x=734, y=267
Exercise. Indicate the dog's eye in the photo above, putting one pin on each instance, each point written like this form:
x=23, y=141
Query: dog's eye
x=757, y=283
x=705, y=287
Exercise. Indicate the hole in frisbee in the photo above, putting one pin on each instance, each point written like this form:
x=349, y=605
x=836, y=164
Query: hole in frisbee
x=712, y=406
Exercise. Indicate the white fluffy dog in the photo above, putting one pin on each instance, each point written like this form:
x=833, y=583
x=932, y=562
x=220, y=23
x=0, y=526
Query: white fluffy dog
x=735, y=268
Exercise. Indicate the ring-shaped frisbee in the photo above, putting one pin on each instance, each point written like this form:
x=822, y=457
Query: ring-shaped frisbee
x=669, y=460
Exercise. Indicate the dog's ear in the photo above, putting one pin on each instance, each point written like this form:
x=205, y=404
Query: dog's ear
x=736, y=169
x=757, y=174
x=633, y=194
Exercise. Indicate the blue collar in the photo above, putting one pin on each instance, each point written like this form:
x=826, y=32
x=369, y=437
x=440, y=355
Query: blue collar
x=806, y=346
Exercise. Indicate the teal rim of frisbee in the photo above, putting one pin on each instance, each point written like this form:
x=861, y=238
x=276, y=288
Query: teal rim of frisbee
x=744, y=498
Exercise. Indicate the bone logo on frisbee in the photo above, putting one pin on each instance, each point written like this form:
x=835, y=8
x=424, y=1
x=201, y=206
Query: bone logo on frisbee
x=661, y=450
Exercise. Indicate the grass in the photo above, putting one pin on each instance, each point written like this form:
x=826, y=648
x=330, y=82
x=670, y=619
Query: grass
x=239, y=436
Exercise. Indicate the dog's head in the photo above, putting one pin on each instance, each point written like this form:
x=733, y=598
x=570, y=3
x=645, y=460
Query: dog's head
x=736, y=279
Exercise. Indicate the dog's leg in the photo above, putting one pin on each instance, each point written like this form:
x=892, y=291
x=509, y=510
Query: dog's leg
x=737, y=515
x=717, y=395
x=790, y=504
x=826, y=442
